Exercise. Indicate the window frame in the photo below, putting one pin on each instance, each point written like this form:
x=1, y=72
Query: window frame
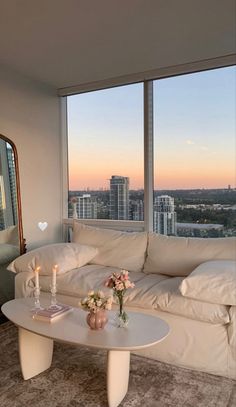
x=147, y=79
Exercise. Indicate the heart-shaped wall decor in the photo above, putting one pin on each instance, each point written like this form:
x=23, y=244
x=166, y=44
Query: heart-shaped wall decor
x=42, y=226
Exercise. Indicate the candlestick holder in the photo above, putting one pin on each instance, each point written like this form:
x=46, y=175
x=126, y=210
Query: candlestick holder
x=54, y=305
x=37, y=305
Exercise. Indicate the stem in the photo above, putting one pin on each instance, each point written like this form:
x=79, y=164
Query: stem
x=121, y=303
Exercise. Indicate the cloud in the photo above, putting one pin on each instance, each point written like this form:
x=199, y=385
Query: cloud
x=204, y=148
x=190, y=142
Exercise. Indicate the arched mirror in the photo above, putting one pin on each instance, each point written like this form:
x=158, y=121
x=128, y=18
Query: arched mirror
x=11, y=235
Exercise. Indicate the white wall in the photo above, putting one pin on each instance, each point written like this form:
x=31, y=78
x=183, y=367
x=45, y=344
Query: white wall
x=30, y=117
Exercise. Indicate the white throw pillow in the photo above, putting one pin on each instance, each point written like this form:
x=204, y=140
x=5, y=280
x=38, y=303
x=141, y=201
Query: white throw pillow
x=169, y=299
x=66, y=255
x=125, y=250
x=213, y=281
x=179, y=256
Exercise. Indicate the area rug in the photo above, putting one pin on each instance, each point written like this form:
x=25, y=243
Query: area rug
x=77, y=378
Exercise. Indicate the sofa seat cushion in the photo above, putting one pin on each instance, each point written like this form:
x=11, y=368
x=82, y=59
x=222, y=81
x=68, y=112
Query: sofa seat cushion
x=126, y=250
x=79, y=281
x=144, y=294
x=150, y=292
x=179, y=256
x=170, y=299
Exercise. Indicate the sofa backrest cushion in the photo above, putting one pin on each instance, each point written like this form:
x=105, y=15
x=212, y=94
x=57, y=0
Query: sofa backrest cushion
x=179, y=256
x=9, y=236
x=125, y=250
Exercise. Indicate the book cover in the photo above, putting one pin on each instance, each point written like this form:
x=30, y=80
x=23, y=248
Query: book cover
x=49, y=315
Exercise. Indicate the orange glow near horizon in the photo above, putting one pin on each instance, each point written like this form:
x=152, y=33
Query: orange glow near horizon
x=169, y=174
x=164, y=180
x=194, y=133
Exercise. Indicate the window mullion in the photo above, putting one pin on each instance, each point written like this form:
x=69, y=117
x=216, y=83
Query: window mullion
x=148, y=156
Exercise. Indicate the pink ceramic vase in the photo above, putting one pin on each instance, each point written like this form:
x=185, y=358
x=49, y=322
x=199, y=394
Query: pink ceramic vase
x=97, y=320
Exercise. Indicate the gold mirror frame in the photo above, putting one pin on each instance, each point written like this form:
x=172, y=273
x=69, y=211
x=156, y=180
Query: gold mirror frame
x=19, y=212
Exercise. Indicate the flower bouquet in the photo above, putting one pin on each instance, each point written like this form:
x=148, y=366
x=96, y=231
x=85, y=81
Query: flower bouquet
x=97, y=304
x=120, y=282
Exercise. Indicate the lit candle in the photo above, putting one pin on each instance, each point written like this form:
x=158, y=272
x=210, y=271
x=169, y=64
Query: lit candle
x=36, y=273
x=54, y=275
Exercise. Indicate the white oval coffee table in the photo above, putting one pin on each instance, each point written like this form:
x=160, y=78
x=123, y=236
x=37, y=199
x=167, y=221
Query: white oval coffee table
x=36, y=341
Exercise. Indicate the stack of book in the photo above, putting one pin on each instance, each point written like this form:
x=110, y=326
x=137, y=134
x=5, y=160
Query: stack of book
x=50, y=314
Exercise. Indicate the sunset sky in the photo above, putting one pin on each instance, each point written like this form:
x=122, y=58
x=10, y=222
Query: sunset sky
x=194, y=133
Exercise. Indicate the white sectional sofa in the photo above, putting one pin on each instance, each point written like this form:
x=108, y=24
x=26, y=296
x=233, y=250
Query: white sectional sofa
x=189, y=282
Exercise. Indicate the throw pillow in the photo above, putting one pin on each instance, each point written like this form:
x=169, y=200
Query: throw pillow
x=213, y=281
x=67, y=256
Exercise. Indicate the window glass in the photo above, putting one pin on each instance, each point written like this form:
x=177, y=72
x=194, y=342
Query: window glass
x=194, y=154
x=105, y=146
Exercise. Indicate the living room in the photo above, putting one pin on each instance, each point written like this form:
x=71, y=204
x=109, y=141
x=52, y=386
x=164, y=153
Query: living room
x=99, y=94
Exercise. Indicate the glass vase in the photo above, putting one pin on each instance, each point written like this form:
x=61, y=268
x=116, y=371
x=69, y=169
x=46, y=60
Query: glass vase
x=122, y=318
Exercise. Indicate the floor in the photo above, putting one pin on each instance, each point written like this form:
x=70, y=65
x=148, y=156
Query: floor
x=77, y=378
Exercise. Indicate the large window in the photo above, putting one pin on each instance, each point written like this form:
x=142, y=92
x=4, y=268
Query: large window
x=194, y=154
x=105, y=130
x=195, y=147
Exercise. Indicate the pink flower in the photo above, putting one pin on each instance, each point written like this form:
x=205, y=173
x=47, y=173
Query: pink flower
x=119, y=282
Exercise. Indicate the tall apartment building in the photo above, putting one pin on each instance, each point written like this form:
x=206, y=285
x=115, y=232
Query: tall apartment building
x=137, y=210
x=86, y=207
x=164, y=215
x=119, y=197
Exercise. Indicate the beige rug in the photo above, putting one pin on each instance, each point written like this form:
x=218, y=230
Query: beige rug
x=77, y=378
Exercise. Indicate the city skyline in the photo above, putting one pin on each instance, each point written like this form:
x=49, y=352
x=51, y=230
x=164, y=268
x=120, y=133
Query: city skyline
x=192, y=215
x=194, y=116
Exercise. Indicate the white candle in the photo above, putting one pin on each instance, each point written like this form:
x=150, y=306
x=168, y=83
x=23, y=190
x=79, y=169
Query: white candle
x=36, y=273
x=54, y=275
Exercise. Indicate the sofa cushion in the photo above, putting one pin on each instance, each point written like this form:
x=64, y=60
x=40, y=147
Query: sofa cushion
x=8, y=252
x=9, y=236
x=170, y=299
x=150, y=292
x=145, y=292
x=125, y=250
x=213, y=281
x=79, y=281
x=66, y=255
x=179, y=256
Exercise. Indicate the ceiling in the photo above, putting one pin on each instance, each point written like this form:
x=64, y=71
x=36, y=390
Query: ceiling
x=71, y=42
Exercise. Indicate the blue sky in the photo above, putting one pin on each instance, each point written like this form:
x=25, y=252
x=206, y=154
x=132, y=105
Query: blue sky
x=194, y=133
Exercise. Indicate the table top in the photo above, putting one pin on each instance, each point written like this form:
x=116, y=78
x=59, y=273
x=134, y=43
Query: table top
x=142, y=331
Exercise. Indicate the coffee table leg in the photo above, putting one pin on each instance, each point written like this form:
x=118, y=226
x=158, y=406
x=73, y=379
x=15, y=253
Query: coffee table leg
x=117, y=376
x=35, y=353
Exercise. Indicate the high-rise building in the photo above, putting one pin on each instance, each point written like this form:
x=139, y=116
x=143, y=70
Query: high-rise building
x=137, y=210
x=119, y=197
x=164, y=215
x=86, y=207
